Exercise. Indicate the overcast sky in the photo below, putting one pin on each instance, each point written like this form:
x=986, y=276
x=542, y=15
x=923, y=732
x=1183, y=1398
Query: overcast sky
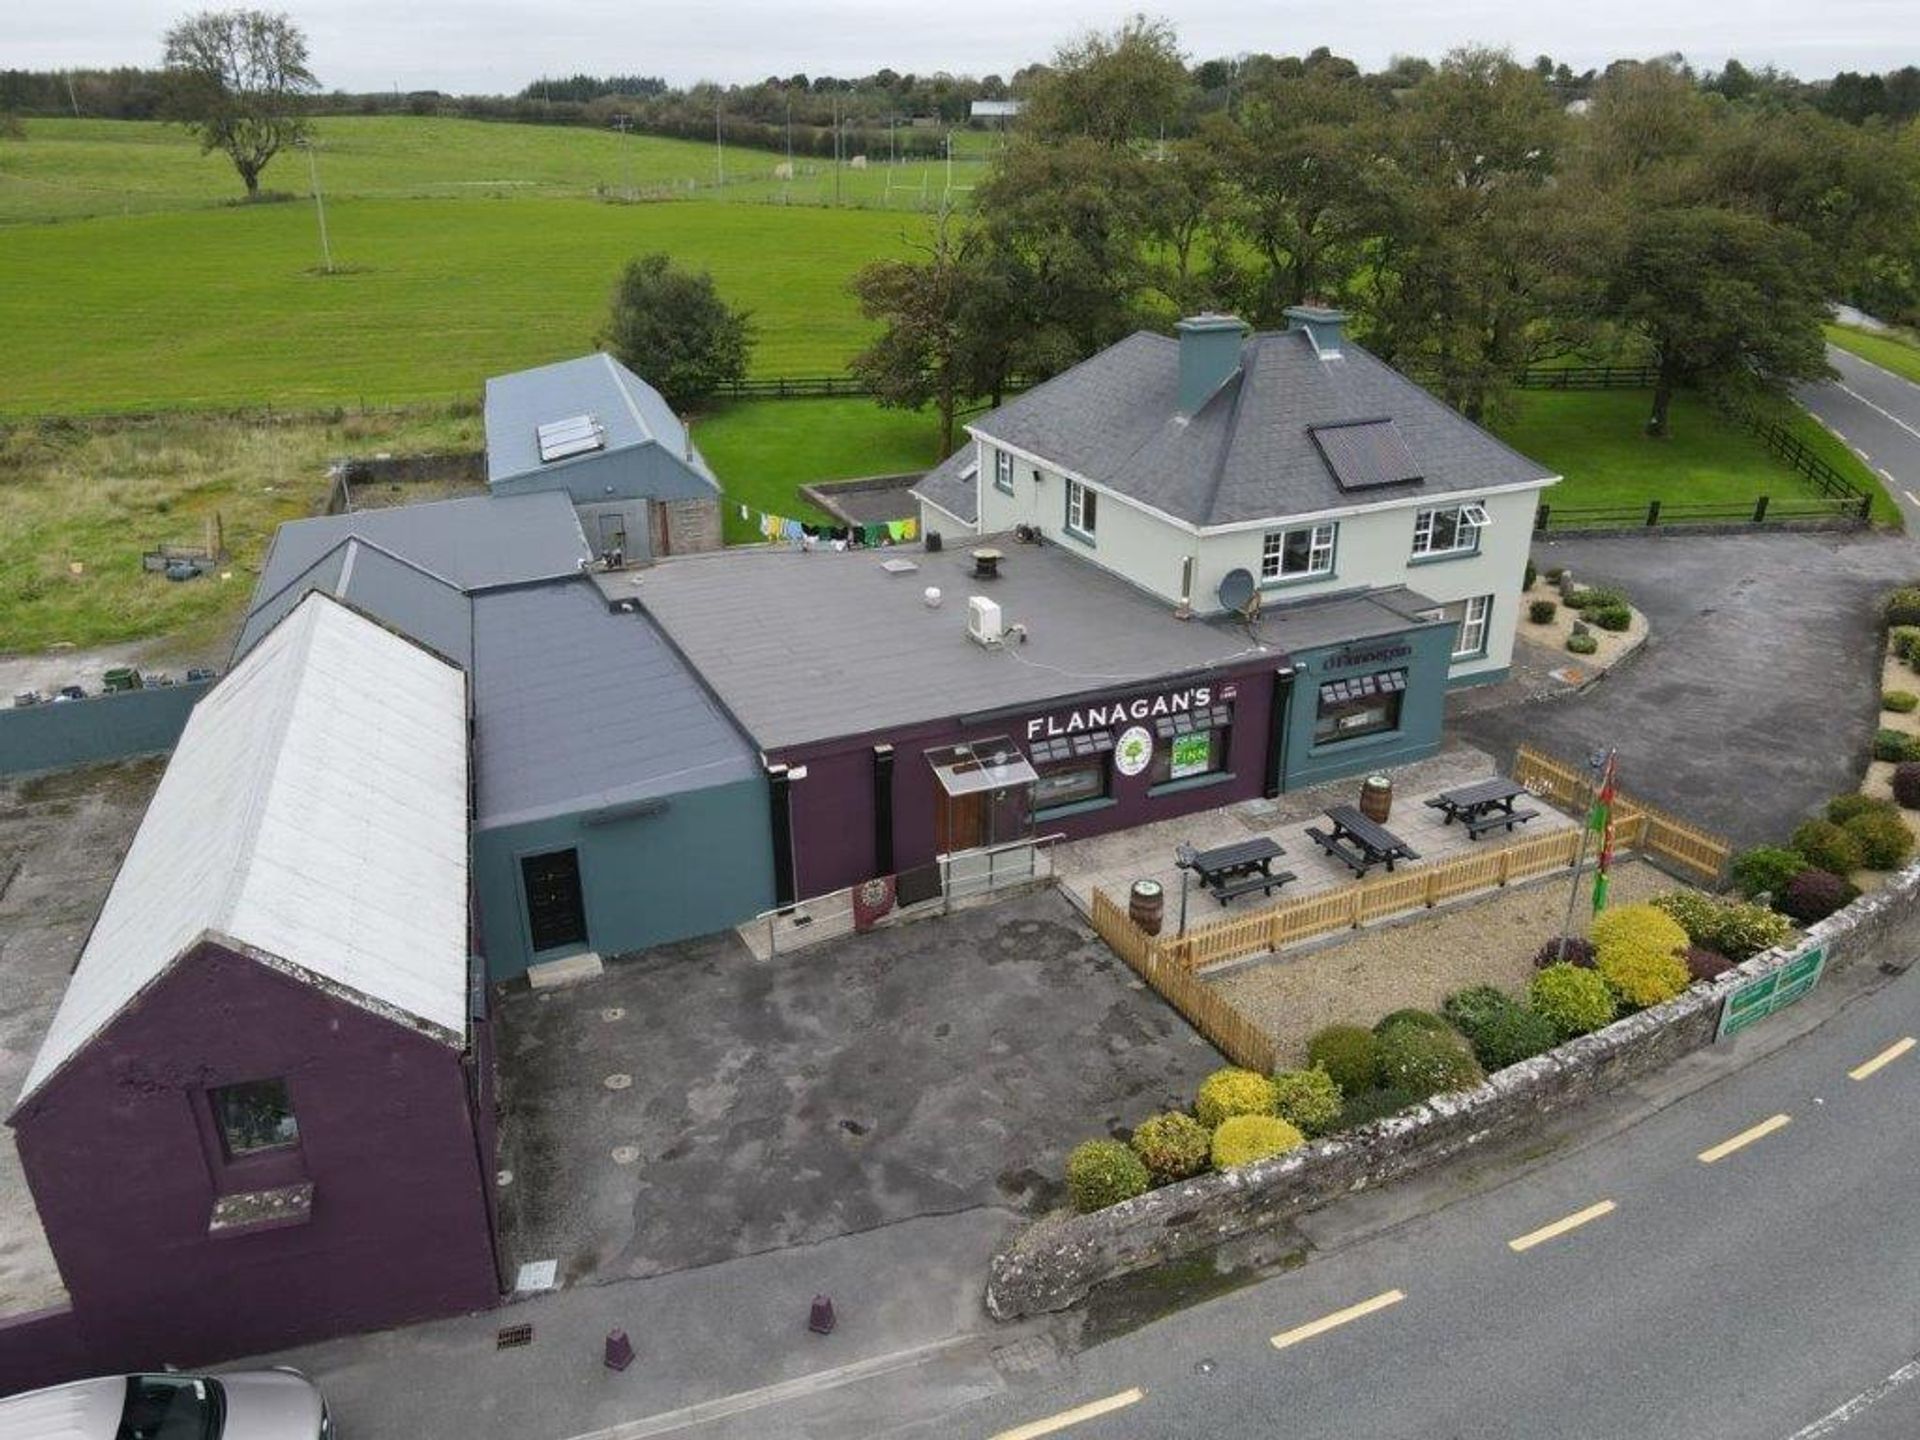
x=494, y=46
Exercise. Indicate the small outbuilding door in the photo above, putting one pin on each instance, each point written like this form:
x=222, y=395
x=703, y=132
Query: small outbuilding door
x=555, y=915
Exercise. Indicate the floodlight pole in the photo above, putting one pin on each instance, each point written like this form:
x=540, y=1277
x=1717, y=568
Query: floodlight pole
x=719, y=151
x=836, y=152
x=319, y=204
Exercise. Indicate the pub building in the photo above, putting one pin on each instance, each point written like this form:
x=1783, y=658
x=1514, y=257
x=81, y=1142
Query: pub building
x=1187, y=572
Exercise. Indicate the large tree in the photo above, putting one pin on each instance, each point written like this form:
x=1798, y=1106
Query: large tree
x=925, y=355
x=672, y=329
x=1111, y=89
x=238, y=79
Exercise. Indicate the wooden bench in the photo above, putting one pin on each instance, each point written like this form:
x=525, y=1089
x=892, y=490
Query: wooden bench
x=1498, y=819
x=1246, y=885
x=1355, y=859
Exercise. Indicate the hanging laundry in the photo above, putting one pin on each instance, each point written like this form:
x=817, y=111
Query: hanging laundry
x=897, y=530
x=791, y=529
x=743, y=512
x=770, y=526
x=909, y=529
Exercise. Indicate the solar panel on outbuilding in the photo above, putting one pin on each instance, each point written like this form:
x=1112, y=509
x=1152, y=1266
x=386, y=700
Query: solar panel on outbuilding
x=1365, y=453
x=575, y=435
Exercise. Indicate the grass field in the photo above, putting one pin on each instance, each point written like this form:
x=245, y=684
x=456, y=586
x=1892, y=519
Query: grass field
x=215, y=308
x=1896, y=352
x=1595, y=440
x=73, y=169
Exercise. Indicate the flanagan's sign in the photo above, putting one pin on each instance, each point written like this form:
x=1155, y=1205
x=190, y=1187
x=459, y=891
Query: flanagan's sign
x=1120, y=712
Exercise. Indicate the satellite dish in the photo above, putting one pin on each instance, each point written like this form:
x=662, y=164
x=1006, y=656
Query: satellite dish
x=1237, y=590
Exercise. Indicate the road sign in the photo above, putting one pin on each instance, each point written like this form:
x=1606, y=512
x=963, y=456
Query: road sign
x=1776, y=990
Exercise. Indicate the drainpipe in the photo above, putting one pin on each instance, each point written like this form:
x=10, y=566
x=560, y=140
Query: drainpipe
x=1277, y=727
x=883, y=809
x=780, y=797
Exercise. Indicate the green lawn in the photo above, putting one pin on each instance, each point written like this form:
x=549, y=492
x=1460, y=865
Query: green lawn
x=225, y=307
x=1595, y=440
x=1895, y=352
x=764, y=450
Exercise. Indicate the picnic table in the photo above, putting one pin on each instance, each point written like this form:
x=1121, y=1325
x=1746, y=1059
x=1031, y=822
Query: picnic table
x=1360, y=843
x=1238, y=869
x=1484, y=805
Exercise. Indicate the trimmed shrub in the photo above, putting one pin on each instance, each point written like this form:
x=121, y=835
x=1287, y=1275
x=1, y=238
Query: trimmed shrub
x=1541, y=612
x=1102, y=1173
x=1511, y=1034
x=1595, y=598
x=1900, y=702
x=1230, y=1092
x=1553, y=573
x=1375, y=1104
x=1576, y=1001
x=1642, y=974
x=1528, y=576
x=1350, y=1056
x=1467, y=1008
x=1827, y=847
x=1578, y=951
x=1582, y=644
x=1904, y=642
x=1647, y=926
x=1611, y=617
x=1813, y=895
x=1766, y=869
x=1173, y=1147
x=1427, y=1062
x=1883, y=838
x=1895, y=745
x=1307, y=1099
x=1697, y=914
x=1413, y=1018
x=1705, y=964
x=1903, y=607
x=1906, y=784
x=1244, y=1139
x=1733, y=928
x=1843, y=808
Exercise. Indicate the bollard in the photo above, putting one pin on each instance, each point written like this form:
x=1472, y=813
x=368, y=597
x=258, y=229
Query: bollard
x=619, y=1350
x=820, y=1319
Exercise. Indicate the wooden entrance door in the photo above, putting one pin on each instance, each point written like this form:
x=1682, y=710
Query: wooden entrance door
x=960, y=821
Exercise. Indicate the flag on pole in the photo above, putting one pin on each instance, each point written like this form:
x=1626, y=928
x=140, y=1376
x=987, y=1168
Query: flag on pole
x=1600, y=819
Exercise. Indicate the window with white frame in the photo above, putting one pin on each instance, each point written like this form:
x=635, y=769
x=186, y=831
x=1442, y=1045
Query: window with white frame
x=1449, y=530
x=1297, y=554
x=1472, y=616
x=1081, y=509
x=1003, y=471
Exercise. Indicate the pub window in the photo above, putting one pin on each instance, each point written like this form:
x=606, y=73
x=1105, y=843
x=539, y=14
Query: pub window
x=255, y=1116
x=1363, y=705
x=1072, y=769
x=1081, y=505
x=1449, y=530
x=1192, y=744
x=1295, y=554
x=1003, y=471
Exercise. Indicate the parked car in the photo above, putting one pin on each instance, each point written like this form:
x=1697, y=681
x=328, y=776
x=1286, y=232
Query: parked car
x=276, y=1404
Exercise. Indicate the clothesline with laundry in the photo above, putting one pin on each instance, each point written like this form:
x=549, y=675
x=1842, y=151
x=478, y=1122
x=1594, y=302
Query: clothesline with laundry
x=804, y=535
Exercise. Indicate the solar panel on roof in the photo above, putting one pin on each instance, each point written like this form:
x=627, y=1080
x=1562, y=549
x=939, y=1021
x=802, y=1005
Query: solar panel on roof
x=1363, y=454
x=575, y=435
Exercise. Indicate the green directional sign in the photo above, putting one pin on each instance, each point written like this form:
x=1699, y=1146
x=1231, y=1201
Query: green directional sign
x=1773, y=991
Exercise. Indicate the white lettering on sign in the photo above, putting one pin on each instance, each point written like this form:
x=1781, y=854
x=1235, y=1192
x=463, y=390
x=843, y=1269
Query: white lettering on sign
x=1119, y=712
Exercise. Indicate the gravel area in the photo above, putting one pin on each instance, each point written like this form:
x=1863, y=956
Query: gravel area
x=1418, y=963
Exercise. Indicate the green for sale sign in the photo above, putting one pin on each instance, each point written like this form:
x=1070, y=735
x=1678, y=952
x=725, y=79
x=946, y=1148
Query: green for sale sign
x=1773, y=991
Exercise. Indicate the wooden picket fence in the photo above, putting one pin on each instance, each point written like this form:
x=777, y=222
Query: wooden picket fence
x=1236, y=1037
x=1636, y=824
x=1263, y=931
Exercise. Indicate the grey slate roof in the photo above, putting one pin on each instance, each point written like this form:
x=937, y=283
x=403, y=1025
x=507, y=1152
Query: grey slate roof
x=1246, y=455
x=951, y=487
x=804, y=647
x=579, y=707
x=474, y=543
x=376, y=583
x=631, y=412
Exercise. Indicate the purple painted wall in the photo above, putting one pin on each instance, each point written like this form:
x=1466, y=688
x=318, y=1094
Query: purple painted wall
x=121, y=1154
x=833, y=807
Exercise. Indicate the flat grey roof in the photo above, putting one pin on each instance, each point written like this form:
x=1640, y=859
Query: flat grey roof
x=804, y=646
x=1247, y=453
x=629, y=411
x=473, y=543
x=579, y=707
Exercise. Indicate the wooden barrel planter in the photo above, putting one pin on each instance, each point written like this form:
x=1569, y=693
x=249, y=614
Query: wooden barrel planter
x=1147, y=905
x=1376, y=798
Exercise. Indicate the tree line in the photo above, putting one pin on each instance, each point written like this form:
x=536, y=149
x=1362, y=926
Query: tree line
x=1472, y=221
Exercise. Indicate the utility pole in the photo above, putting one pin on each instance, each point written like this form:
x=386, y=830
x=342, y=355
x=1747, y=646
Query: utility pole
x=836, y=151
x=787, y=193
x=319, y=205
x=719, y=150
x=624, y=124
x=72, y=99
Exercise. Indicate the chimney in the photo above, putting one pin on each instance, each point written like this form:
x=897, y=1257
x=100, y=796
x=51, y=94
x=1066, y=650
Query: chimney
x=1325, y=326
x=1209, y=356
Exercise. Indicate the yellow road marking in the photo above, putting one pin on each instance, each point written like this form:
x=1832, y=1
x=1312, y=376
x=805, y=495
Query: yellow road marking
x=1886, y=1057
x=1560, y=1227
x=1089, y=1411
x=1336, y=1319
x=1744, y=1138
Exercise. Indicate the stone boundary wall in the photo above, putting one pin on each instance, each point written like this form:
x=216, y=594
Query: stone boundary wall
x=1055, y=1262
x=466, y=467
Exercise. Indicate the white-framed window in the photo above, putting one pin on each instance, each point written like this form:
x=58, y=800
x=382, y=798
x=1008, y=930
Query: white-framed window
x=1003, y=471
x=1082, y=508
x=1449, y=530
x=1296, y=554
x=1473, y=616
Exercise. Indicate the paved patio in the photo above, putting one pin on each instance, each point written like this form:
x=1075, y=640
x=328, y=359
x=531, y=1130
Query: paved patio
x=1113, y=862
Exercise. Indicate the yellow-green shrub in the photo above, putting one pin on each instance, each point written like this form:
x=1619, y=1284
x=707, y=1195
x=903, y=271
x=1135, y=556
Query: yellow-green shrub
x=1243, y=1139
x=1308, y=1099
x=1230, y=1092
x=1173, y=1147
x=1577, y=1001
x=1644, y=925
x=1642, y=974
x=1102, y=1173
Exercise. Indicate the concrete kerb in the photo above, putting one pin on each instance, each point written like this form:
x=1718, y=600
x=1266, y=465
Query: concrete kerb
x=1057, y=1261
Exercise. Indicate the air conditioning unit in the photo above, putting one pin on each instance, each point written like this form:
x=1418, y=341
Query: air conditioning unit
x=983, y=620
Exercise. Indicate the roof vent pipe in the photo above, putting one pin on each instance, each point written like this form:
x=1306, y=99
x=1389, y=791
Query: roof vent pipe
x=1209, y=357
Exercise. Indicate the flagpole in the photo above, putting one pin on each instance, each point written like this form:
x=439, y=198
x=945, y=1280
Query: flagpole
x=1596, y=766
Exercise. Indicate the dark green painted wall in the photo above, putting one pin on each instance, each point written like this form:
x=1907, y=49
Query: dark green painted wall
x=86, y=732
x=1426, y=657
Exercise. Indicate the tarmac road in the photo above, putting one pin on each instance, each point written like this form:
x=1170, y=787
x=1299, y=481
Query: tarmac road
x=1878, y=414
